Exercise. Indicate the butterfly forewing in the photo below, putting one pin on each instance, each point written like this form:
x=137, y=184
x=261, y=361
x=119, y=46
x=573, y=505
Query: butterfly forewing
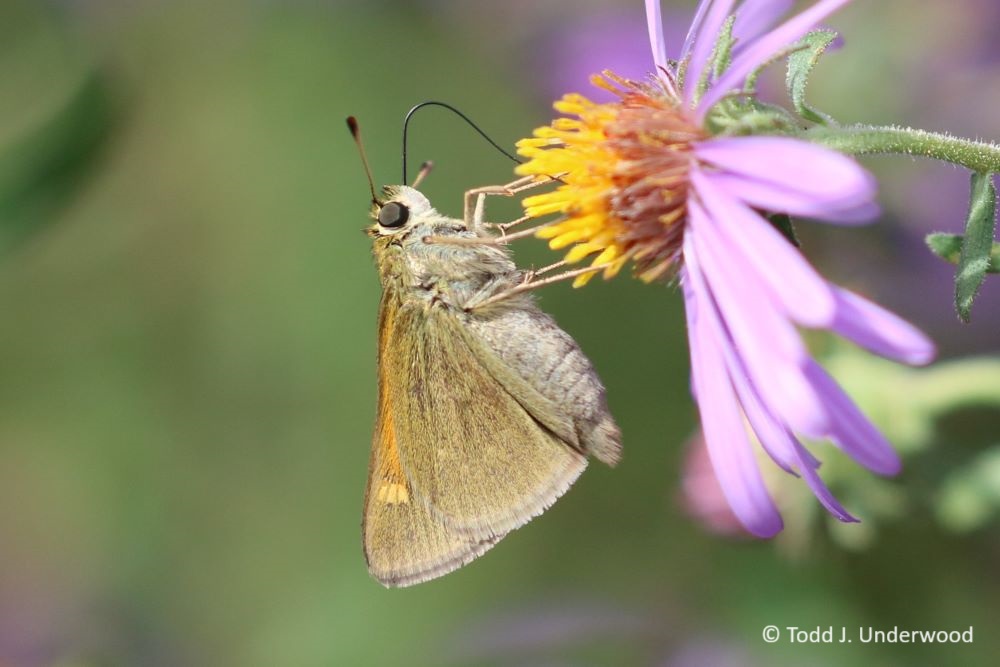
x=467, y=447
x=404, y=542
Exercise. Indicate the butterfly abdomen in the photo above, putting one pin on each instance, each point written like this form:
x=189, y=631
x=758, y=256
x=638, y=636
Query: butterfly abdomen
x=532, y=345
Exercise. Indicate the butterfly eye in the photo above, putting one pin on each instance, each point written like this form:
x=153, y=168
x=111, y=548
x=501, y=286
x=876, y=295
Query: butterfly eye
x=393, y=214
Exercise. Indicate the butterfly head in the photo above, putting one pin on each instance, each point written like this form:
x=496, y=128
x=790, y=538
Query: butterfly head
x=398, y=210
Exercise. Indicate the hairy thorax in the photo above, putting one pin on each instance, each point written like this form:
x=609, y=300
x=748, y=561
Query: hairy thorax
x=446, y=273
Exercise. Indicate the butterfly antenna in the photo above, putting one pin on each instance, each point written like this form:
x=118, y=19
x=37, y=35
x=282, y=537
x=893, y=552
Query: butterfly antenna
x=425, y=169
x=432, y=103
x=352, y=125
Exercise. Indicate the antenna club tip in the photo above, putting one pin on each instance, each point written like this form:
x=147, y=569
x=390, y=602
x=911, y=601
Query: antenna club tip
x=352, y=124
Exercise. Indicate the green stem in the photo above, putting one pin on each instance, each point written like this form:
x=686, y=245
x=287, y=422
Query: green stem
x=978, y=156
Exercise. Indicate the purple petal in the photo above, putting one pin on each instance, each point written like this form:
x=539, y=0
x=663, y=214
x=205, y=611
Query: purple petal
x=745, y=307
x=876, y=329
x=803, y=293
x=726, y=438
x=699, y=18
x=850, y=429
x=704, y=44
x=819, y=489
x=792, y=163
x=768, y=343
x=692, y=310
x=774, y=198
x=773, y=435
x=791, y=176
x=776, y=439
x=764, y=48
x=755, y=17
x=654, y=23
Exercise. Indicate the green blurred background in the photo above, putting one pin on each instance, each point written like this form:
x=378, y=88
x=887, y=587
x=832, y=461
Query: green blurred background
x=187, y=360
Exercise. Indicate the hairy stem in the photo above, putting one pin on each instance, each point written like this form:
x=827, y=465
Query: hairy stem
x=977, y=156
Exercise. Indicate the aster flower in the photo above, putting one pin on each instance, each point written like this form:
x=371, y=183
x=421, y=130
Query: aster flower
x=665, y=179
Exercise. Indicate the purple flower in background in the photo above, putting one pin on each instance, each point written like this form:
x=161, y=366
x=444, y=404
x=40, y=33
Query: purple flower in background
x=614, y=41
x=593, y=43
x=700, y=494
x=649, y=180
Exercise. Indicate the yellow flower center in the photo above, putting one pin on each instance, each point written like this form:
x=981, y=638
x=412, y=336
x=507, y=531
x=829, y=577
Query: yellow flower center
x=623, y=168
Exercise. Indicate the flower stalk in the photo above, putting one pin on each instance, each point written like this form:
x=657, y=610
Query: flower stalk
x=978, y=156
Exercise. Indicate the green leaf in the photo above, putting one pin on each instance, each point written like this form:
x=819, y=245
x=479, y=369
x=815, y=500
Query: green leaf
x=800, y=65
x=733, y=118
x=42, y=168
x=722, y=56
x=946, y=246
x=974, y=261
x=719, y=61
x=949, y=248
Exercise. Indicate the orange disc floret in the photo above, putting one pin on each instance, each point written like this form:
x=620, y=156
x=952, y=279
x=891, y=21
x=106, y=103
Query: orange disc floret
x=623, y=170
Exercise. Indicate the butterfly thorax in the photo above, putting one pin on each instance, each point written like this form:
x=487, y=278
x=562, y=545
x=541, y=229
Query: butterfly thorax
x=418, y=267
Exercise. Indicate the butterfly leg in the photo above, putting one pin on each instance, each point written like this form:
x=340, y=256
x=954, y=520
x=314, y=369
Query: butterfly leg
x=504, y=226
x=490, y=240
x=483, y=298
x=475, y=213
x=475, y=200
x=534, y=273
